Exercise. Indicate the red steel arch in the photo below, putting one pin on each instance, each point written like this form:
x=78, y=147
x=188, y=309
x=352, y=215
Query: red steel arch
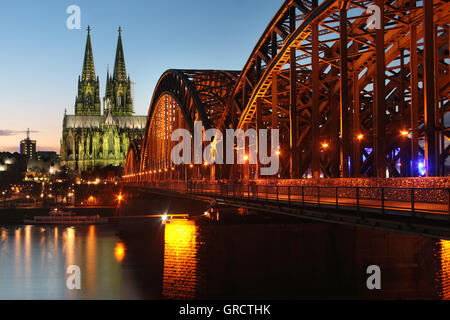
x=133, y=158
x=348, y=100
x=180, y=98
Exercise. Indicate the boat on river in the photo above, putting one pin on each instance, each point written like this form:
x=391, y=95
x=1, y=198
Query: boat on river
x=58, y=216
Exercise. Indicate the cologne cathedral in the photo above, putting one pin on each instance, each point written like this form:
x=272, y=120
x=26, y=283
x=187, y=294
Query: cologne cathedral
x=92, y=138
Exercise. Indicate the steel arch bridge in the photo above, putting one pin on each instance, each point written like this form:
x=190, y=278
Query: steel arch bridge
x=350, y=99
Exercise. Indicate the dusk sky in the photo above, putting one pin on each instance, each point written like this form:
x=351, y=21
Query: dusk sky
x=41, y=58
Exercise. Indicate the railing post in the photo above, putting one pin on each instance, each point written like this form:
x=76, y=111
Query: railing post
x=448, y=200
x=277, y=193
x=382, y=199
x=303, y=196
x=248, y=191
x=318, y=197
x=337, y=199
x=357, y=200
x=289, y=195
x=413, y=206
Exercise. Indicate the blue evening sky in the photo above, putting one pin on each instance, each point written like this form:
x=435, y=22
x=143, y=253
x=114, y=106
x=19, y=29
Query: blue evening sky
x=41, y=59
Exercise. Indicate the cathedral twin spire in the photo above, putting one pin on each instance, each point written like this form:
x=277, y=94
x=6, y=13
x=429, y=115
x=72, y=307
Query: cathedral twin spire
x=88, y=63
x=118, y=98
x=120, y=72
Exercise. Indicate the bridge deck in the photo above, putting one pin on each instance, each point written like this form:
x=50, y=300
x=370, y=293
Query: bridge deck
x=425, y=210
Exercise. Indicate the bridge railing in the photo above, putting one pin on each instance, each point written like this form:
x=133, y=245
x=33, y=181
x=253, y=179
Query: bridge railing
x=384, y=199
x=373, y=199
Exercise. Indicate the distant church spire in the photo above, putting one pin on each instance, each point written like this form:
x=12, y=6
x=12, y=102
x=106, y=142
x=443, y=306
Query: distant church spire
x=88, y=64
x=87, y=101
x=120, y=72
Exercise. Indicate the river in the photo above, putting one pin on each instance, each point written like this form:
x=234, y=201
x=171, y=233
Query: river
x=186, y=259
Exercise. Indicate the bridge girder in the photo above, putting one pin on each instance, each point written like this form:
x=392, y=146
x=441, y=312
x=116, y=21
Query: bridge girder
x=133, y=157
x=182, y=97
x=348, y=101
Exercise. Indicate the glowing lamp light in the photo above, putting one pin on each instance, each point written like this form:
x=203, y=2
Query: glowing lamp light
x=191, y=166
x=404, y=133
x=360, y=137
x=246, y=157
x=278, y=152
x=164, y=217
x=325, y=145
x=119, y=252
x=422, y=168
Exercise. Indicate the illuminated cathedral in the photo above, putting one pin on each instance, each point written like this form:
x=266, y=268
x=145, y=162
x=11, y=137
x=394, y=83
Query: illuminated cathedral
x=93, y=138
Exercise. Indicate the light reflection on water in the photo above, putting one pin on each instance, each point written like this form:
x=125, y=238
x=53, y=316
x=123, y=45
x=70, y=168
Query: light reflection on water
x=272, y=261
x=444, y=272
x=218, y=261
x=34, y=260
x=181, y=248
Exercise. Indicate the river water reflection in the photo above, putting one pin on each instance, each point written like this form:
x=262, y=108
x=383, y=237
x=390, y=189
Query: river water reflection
x=185, y=259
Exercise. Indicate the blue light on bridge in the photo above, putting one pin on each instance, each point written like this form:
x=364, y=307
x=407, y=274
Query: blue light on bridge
x=422, y=168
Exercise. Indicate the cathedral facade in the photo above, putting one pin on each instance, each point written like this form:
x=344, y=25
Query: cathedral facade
x=94, y=138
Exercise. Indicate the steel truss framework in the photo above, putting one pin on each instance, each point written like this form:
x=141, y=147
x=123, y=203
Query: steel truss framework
x=133, y=157
x=348, y=100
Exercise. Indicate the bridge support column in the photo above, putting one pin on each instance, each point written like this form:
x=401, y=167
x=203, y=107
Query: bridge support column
x=414, y=107
x=343, y=109
x=275, y=100
x=380, y=103
x=316, y=143
x=404, y=145
x=293, y=124
x=258, y=127
x=431, y=141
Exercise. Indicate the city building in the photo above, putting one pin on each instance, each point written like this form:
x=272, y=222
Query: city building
x=47, y=156
x=93, y=138
x=13, y=167
x=28, y=147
